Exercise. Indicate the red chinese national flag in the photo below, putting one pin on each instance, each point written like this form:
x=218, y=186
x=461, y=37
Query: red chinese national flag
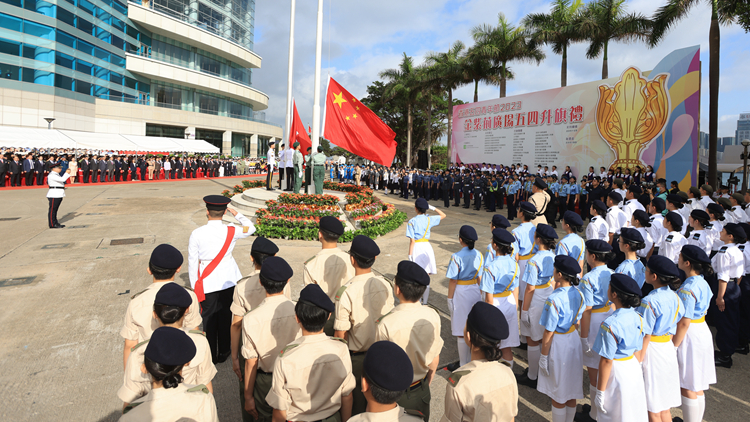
x=297, y=132
x=354, y=127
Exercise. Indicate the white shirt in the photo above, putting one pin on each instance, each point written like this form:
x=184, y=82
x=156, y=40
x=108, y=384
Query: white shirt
x=204, y=245
x=55, y=180
x=705, y=200
x=603, y=175
x=289, y=157
x=729, y=263
x=657, y=230
x=629, y=208
x=737, y=215
x=622, y=193
x=647, y=239
x=616, y=219
x=167, y=166
x=672, y=245
x=695, y=204
x=700, y=238
x=271, y=157
x=715, y=235
x=554, y=173
x=597, y=229
x=685, y=213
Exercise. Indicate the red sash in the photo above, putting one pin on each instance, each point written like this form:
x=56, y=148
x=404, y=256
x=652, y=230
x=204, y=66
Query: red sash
x=212, y=266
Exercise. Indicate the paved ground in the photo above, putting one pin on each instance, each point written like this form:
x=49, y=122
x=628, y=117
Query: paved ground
x=61, y=355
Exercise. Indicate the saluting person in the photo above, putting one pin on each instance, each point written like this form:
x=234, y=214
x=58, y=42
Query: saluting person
x=55, y=194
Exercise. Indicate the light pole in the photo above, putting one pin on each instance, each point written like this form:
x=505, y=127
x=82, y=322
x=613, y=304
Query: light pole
x=49, y=121
x=745, y=143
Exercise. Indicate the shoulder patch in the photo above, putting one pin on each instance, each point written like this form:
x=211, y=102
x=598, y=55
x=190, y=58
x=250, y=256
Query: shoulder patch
x=138, y=294
x=669, y=238
x=202, y=388
x=139, y=345
x=339, y=339
x=414, y=412
x=723, y=249
x=245, y=229
x=340, y=292
x=130, y=407
x=696, y=236
x=377, y=321
x=198, y=332
x=313, y=257
x=456, y=377
x=288, y=348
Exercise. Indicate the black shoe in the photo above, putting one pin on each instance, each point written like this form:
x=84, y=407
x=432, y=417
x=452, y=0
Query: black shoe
x=58, y=226
x=270, y=189
x=453, y=366
x=677, y=419
x=722, y=360
x=743, y=350
x=525, y=380
x=222, y=357
x=584, y=414
x=523, y=346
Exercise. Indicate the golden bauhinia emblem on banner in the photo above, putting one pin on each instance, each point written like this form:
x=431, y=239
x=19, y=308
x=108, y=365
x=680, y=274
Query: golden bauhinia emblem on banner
x=631, y=114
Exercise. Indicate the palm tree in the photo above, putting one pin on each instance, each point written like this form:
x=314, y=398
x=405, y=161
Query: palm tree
x=446, y=68
x=556, y=28
x=606, y=20
x=502, y=44
x=402, y=82
x=475, y=68
x=721, y=12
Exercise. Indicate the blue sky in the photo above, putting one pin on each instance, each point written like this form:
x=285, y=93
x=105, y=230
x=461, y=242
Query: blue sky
x=362, y=38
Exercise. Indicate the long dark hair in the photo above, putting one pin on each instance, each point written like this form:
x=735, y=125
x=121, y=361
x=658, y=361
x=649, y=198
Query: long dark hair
x=168, y=375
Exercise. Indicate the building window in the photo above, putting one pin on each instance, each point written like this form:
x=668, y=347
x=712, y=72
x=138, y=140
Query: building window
x=168, y=97
x=165, y=131
x=213, y=137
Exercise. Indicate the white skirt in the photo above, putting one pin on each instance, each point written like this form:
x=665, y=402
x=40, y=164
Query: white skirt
x=625, y=396
x=661, y=377
x=536, y=331
x=695, y=358
x=507, y=305
x=521, y=284
x=596, y=322
x=565, y=379
x=464, y=299
x=424, y=256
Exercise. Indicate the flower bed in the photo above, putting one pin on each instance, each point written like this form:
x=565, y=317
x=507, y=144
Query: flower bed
x=343, y=187
x=303, y=199
x=246, y=184
x=277, y=209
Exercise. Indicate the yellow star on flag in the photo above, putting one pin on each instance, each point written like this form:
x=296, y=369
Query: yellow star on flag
x=355, y=116
x=339, y=99
x=347, y=117
x=357, y=107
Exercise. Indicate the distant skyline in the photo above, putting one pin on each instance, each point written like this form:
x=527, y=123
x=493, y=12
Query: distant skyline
x=368, y=37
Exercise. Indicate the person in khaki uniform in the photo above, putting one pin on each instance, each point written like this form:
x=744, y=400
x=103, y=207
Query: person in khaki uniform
x=359, y=303
x=357, y=174
x=266, y=330
x=540, y=198
x=164, y=264
x=170, y=399
x=386, y=373
x=483, y=390
x=416, y=329
x=170, y=309
x=312, y=377
x=331, y=267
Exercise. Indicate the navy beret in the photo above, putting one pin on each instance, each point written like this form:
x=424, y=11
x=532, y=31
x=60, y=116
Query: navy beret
x=546, y=231
x=170, y=346
x=540, y=183
x=715, y=208
x=172, y=294
x=488, y=321
x=632, y=235
x=314, y=295
x=659, y=204
x=500, y=221
x=527, y=207
x=411, y=271
x=216, y=202
x=663, y=266
x=421, y=203
x=635, y=189
x=263, y=245
x=599, y=205
x=695, y=253
x=567, y=265
x=573, y=218
x=674, y=198
x=167, y=257
x=365, y=247
x=468, y=232
x=596, y=245
x=736, y=231
x=675, y=219
x=615, y=197
x=275, y=268
x=503, y=237
x=331, y=224
x=700, y=215
x=625, y=284
x=642, y=217
x=388, y=366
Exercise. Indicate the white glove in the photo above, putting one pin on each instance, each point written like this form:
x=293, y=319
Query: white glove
x=302, y=173
x=599, y=401
x=526, y=319
x=450, y=307
x=432, y=208
x=411, y=258
x=586, y=347
x=544, y=365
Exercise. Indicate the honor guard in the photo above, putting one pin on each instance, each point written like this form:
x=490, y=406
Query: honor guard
x=457, y=184
x=214, y=272
x=271, y=163
x=55, y=194
x=164, y=264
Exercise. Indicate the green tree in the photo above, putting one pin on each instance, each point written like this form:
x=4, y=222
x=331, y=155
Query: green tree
x=447, y=68
x=402, y=83
x=556, y=29
x=502, y=44
x=477, y=69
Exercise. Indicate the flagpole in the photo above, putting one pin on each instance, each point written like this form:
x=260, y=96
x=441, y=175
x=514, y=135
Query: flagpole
x=290, y=73
x=316, y=100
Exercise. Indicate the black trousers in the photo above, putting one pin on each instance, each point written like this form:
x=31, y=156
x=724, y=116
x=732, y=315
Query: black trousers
x=289, y=178
x=2, y=179
x=491, y=201
x=467, y=199
x=40, y=178
x=15, y=179
x=446, y=199
x=728, y=322
x=562, y=202
x=477, y=201
x=30, y=178
x=572, y=203
x=281, y=176
x=217, y=320
x=745, y=311
x=456, y=197
x=54, y=205
x=511, y=207
x=86, y=176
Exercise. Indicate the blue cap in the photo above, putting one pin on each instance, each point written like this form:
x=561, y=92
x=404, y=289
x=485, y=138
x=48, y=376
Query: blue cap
x=488, y=321
x=675, y=219
x=695, y=253
x=736, y=231
x=700, y=215
x=275, y=268
x=567, y=265
x=388, y=366
x=527, y=207
x=598, y=246
x=216, y=202
x=421, y=203
x=631, y=235
x=642, y=217
x=635, y=189
x=600, y=206
x=265, y=246
x=170, y=346
x=659, y=204
x=625, y=284
x=314, y=295
x=546, y=231
x=468, y=232
x=540, y=183
x=500, y=221
x=663, y=266
x=172, y=294
x=573, y=219
x=331, y=224
x=715, y=209
x=674, y=198
x=364, y=247
x=615, y=197
x=167, y=257
x=503, y=237
x=411, y=271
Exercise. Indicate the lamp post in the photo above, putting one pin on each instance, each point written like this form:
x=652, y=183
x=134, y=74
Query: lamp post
x=745, y=143
x=49, y=121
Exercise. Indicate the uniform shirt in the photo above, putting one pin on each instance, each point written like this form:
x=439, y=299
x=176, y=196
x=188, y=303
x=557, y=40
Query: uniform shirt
x=55, y=180
x=705, y=200
x=330, y=269
x=574, y=189
x=700, y=239
x=647, y=239
x=694, y=204
x=500, y=275
x=200, y=369
x=685, y=213
x=416, y=329
x=616, y=219
x=540, y=201
x=359, y=303
x=563, y=308
x=310, y=376
x=672, y=245
x=249, y=293
x=397, y=414
x=745, y=248
x=298, y=161
x=594, y=286
x=597, y=229
x=635, y=269
x=481, y=391
x=554, y=187
x=657, y=230
x=271, y=157
x=267, y=329
x=661, y=310
x=629, y=208
x=513, y=187
x=491, y=255
x=465, y=264
x=205, y=244
x=573, y=246
x=524, y=235
x=695, y=294
x=139, y=317
x=318, y=159
x=540, y=268
x=564, y=189
x=620, y=335
x=419, y=227
x=714, y=234
x=184, y=402
x=728, y=263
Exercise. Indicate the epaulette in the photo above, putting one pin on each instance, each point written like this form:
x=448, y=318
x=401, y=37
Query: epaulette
x=741, y=247
x=669, y=238
x=202, y=388
x=723, y=249
x=130, y=407
x=138, y=345
x=198, y=332
x=288, y=348
x=696, y=236
x=339, y=339
x=138, y=294
x=340, y=292
x=456, y=377
x=413, y=412
x=377, y=321
x=311, y=258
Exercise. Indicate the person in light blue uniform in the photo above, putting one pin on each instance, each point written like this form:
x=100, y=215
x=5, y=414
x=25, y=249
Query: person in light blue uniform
x=572, y=245
x=418, y=232
x=630, y=242
x=695, y=345
x=524, y=235
x=574, y=190
x=538, y=279
x=620, y=392
x=499, y=286
x=499, y=222
x=512, y=194
x=562, y=197
x=661, y=310
x=560, y=375
x=464, y=272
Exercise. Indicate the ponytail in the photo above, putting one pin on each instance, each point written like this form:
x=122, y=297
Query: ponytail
x=168, y=375
x=469, y=242
x=628, y=300
x=490, y=349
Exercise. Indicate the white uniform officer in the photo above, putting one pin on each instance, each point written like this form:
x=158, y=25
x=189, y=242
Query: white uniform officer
x=674, y=241
x=657, y=230
x=616, y=219
x=271, y=161
x=214, y=272
x=699, y=237
x=598, y=228
x=55, y=194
